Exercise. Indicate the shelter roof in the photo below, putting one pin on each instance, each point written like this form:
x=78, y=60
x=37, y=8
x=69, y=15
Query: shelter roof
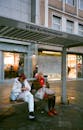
x=13, y=29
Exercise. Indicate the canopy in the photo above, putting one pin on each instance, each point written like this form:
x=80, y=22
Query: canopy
x=13, y=29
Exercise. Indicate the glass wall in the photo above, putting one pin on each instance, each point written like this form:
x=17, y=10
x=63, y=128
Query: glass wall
x=79, y=66
x=49, y=63
x=12, y=62
x=74, y=63
x=71, y=63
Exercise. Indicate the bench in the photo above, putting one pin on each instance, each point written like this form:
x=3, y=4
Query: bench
x=7, y=107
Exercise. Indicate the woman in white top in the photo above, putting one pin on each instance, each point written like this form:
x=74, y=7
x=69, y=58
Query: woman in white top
x=21, y=90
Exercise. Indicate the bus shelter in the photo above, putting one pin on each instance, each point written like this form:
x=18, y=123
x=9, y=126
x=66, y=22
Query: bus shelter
x=32, y=33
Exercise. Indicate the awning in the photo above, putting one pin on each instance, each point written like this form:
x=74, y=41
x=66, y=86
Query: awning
x=29, y=32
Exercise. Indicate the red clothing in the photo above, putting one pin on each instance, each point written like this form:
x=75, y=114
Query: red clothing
x=41, y=81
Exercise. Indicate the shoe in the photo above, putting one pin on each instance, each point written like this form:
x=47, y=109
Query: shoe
x=31, y=116
x=50, y=113
x=54, y=111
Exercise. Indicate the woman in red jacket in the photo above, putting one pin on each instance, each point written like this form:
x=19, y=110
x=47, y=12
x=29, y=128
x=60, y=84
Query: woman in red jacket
x=47, y=93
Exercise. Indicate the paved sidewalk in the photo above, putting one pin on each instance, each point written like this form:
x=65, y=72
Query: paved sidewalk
x=70, y=116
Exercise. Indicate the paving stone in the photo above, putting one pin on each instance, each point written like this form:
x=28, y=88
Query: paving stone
x=70, y=115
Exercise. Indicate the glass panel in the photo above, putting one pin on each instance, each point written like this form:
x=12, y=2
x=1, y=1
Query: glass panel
x=79, y=66
x=12, y=61
x=71, y=2
x=80, y=29
x=71, y=64
x=81, y=4
x=47, y=60
x=57, y=27
x=69, y=26
x=56, y=23
x=74, y=64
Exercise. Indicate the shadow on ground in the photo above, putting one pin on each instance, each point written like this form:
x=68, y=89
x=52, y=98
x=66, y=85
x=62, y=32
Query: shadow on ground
x=69, y=118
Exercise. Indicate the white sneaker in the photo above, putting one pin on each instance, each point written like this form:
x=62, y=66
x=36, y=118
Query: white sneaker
x=31, y=116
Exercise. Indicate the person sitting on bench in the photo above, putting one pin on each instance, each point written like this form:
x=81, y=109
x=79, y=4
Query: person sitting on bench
x=46, y=92
x=21, y=90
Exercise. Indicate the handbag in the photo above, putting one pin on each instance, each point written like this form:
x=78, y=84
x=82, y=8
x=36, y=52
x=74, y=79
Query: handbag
x=40, y=93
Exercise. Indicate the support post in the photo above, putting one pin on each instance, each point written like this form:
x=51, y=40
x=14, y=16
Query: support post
x=1, y=66
x=63, y=77
x=28, y=63
x=82, y=66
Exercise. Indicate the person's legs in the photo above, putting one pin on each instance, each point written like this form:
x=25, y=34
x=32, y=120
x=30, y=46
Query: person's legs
x=20, y=96
x=28, y=97
x=51, y=101
x=49, y=104
x=53, y=105
x=50, y=107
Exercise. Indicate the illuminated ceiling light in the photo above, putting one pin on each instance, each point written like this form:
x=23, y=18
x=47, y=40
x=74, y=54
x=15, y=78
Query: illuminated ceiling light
x=72, y=98
x=51, y=52
x=33, y=55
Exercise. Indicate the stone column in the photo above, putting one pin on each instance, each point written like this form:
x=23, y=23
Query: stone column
x=63, y=24
x=63, y=5
x=46, y=13
x=35, y=11
x=75, y=27
x=77, y=8
x=37, y=19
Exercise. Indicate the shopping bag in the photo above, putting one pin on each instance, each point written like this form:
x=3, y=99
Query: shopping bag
x=40, y=93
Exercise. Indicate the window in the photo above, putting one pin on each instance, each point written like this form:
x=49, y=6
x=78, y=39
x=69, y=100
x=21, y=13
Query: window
x=56, y=23
x=70, y=2
x=70, y=26
x=11, y=64
x=71, y=62
x=81, y=4
x=80, y=29
x=79, y=66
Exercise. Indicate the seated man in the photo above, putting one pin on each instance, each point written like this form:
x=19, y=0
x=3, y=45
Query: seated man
x=21, y=90
x=46, y=92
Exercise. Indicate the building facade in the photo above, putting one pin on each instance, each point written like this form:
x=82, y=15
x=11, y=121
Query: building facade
x=65, y=16
x=61, y=15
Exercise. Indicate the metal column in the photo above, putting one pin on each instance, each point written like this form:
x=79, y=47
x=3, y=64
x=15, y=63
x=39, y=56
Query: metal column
x=28, y=63
x=64, y=93
x=82, y=66
x=1, y=66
